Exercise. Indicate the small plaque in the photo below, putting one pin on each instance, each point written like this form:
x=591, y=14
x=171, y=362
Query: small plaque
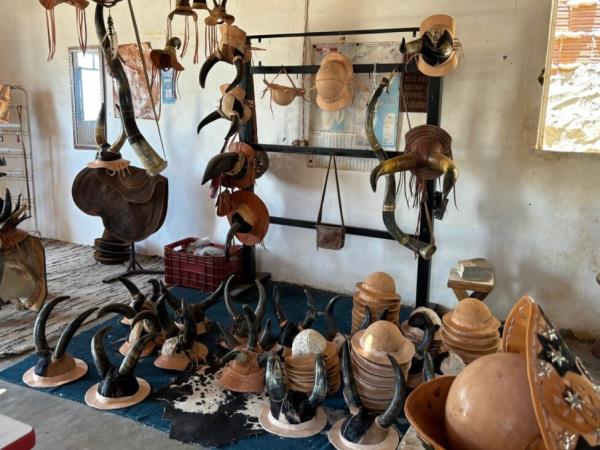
x=414, y=90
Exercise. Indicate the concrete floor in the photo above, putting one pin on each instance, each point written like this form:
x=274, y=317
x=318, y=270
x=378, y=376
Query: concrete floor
x=66, y=425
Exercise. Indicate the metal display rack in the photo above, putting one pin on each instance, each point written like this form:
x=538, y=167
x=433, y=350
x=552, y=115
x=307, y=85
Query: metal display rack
x=17, y=151
x=248, y=134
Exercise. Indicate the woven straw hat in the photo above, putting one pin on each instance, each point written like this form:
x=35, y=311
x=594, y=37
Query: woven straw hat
x=334, y=82
x=4, y=103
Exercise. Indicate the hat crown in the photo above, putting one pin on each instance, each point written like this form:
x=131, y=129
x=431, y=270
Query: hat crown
x=380, y=283
x=383, y=337
x=308, y=342
x=472, y=313
x=331, y=80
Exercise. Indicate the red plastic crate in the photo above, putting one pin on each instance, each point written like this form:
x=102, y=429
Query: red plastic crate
x=200, y=272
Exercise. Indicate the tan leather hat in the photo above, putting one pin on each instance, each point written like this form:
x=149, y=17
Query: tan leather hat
x=433, y=25
x=334, y=82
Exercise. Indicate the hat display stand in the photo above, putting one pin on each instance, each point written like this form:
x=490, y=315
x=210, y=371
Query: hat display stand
x=133, y=268
x=248, y=134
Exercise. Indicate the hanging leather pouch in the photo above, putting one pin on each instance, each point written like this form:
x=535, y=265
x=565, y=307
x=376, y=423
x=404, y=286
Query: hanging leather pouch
x=331, y=237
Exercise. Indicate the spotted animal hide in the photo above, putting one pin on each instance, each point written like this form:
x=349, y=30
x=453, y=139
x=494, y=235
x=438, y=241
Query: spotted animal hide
x=202, y=412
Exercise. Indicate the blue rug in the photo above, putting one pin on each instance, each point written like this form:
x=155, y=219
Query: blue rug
x=152, y=412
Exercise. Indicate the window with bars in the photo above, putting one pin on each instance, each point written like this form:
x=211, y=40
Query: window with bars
x=570, y=119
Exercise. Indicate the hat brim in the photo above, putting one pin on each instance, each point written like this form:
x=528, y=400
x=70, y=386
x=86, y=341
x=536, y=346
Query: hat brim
x=302, y=430
x=438, y=70
x=34, y=381
x=181, y=362
x=425, y=409
x=336, y=439
x=97, y=401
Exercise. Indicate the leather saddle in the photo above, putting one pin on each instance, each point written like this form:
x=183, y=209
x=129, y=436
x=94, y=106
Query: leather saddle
x=131, y=203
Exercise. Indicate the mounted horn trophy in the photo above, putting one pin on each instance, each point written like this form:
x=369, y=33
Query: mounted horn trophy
x=232, y=49
x=289, y=329
x=364, y=428
x=131, y=202
x=423, y=249
x=22, y=258
x=119, y=387
x=243, y=371
x=55, y=367
x=290, y=413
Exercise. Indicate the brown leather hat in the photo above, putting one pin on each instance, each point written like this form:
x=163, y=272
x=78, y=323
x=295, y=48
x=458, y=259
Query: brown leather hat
x=254, y=212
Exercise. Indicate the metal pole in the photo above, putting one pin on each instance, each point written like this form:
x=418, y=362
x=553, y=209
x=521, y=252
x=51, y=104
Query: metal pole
x=434, y=112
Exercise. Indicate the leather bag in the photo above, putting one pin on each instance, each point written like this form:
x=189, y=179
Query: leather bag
x=331, y=237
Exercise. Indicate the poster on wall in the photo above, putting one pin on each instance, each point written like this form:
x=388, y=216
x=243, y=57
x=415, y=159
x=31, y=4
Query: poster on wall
x=346, y=128
x=168, y=87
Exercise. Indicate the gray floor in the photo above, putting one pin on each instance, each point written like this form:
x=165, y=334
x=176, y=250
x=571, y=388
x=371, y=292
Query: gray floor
x=63, y=424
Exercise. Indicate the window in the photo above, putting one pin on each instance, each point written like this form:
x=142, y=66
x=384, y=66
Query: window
x=87, y=94
x=570, y=119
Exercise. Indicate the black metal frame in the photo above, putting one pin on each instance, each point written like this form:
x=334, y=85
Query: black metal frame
x=434, y=93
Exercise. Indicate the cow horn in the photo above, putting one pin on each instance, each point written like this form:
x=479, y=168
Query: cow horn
x=134, y=291
x=233, y=354
x=169, y=297
x=351, y=394
x=234, y=128
x=189, y=326
x=389, y=416
x=235, y=227
x=422, y=321
x=261, y=306
x=311, y=310
x=100, y=131
x=208, y=64
x=147, y=316
x=391, y=166
x=99, y=356
x=274, y=380
x=39, y=328
x=69, y=332
x=134, y=354
x=156, y=290
x=228, y=302
x=212, y=299
x=230, y=341
x=264, y=338
x=428, y=367
x=332, y=329
x=7, y=207
x=220, y=164
x=208, y=119
x=383, y=314
x=117, y=308
x=250, y=318
x=367, y=319
x=279, y=313
x=319, y=392
x=238, y=62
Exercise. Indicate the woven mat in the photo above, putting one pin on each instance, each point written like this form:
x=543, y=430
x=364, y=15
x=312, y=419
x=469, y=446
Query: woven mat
x=71, y=271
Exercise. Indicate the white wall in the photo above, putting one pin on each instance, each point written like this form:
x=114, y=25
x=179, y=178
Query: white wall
x=533, y=216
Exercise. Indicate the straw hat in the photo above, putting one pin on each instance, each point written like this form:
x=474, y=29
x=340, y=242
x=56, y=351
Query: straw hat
x=254, y=212
x=167, y=58
x=334, y=82
x=434, y=26
x=4, y=103
x=379, y=340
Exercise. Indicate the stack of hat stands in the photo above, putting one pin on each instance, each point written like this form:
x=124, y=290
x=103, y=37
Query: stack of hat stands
x=470, y=330
x=373, y=371
x=300, y=362
x=378, y=294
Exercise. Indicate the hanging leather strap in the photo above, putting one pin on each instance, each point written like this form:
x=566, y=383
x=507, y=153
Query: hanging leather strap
x=337, y=185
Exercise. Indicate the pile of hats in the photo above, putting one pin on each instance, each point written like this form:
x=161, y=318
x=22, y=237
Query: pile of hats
x=300, y=362
x=378, y=292
x=371, y=367
x=111, y=250
x=470, y=330
x=415, y=335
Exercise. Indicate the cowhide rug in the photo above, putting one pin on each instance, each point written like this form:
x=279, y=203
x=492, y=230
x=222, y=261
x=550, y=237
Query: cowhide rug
x=201, y=412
